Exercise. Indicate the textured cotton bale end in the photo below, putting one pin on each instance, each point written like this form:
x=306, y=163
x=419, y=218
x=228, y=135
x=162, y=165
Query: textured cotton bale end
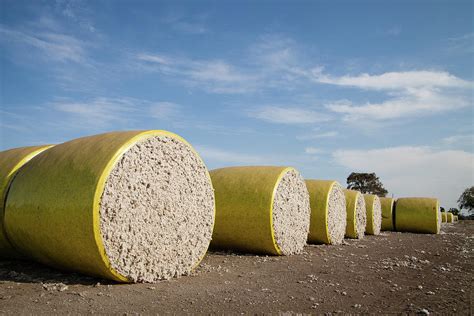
x=374, y=214
x=356, y=214
x=444, y=217
x=260, y=209
x=328, y=212
x=418, y=215
x=450, y=217
x=135, y=206
x=387, y=205
x=10, y=162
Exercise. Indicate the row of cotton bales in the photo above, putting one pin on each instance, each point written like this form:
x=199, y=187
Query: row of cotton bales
x=140, y=206
x=448, y=217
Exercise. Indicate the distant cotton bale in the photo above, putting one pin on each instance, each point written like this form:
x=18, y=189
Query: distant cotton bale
x=387, y=213
x=328, y=212
x=374, y=214
x=356, y=214
x=444, y=217
x=418, y=215
x=260, y=209
x=450, y=217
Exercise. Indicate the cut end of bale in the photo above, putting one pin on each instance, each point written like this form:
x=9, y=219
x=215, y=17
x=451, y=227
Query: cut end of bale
x=291, y=213
x=157, y=210
x=337, y=215
x=361, y=216
x=377, y=215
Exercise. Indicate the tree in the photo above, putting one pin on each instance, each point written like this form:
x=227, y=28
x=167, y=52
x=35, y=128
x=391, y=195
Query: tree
x=367, y=183
x=466, y=200
x=441, y=209
x=455, y=211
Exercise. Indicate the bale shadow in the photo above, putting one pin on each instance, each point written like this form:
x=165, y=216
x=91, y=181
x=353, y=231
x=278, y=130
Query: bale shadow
x=20, y=271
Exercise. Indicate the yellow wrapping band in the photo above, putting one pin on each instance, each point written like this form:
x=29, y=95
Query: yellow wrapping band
x=387, y=213
x=417, y=215
x=369, y=210
x=52, y=213
x=450, y=217
x=244, y=208
x=319, y=191
x=351, y=207
x=444, y=217
x=10, y=162
x=456, y=218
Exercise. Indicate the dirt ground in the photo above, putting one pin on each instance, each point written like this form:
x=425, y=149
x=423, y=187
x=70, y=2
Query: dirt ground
x=390, y=273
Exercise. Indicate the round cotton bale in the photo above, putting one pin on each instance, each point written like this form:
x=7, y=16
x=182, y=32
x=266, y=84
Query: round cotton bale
x=450, y=217
x=356, y=214
x=328, y=212
x=387, y=205
x=260, y=209
x=444, y=217
x=456, y=218
x=418, y=215
x=135, y=206
x=10, y=162
x=374, y=214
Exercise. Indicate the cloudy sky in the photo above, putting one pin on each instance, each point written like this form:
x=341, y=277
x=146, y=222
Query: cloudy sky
x=328, y=87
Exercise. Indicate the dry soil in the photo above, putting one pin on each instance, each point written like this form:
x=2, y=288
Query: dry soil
x=389, y=273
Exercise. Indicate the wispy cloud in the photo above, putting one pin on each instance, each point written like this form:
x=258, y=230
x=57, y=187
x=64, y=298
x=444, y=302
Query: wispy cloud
x=54, y=46
x=461, y=44
x=188, y=24
x=465, y=139
x=313, y=150
x=215, y=76
x=288, y=115
x=415, y=171
x=164, y=110
x=393, y=31
x=99, y=111
x=219, y=156
x=316, y=134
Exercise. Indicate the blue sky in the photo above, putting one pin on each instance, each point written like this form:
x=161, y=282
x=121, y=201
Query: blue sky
x=328, y=87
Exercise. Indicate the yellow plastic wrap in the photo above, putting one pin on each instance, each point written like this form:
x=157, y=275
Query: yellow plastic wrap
x=10, y=162
x=369, y=207
x=351, y=206
x=52, y=211
x=450, y=217
x=444, y=217
x=319, y=191
x=387, y=213
x=417, y=215
x=456, y=218
x=244, y=207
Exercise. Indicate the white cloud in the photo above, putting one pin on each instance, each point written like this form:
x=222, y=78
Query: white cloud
x=407, y=80
x=415, y=171
x=411, y=103
x=288, y=115
x=410, y=93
